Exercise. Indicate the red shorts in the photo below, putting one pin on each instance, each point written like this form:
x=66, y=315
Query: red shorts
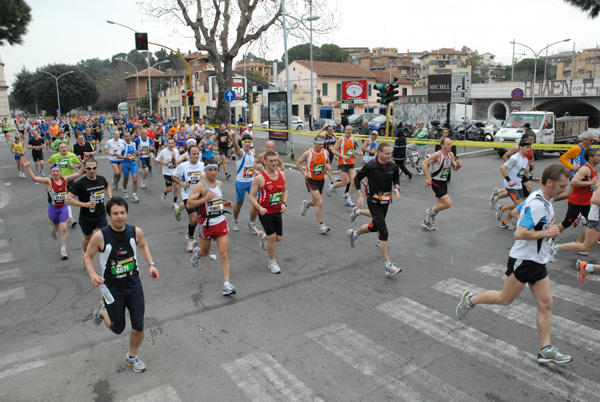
x=213, y=232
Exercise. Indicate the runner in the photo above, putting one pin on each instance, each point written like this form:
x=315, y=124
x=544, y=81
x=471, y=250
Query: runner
x=82, y=148
x=186, y=175
x=60, y=138
x=145, y=146
x=585, y=268
x=344, y=150
x=330, y=140
x=58, y=212
x=260, y=158
x=6, y=130
x=527, y=261
x=245, y=165
x=369, y=147
x=269, y=196
x=117, y=247
x=168, y=157
x=206, y=145
x=115, y=146
x=317, y=163
x=223, y=141
x=67, y=161
x=128, y=155
x=441, y=162
x=18, y=150
x=36, y=144
x=207, y=196
x=384, y=179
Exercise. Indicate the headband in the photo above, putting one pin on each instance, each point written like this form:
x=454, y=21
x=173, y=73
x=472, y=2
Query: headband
x=211, y=167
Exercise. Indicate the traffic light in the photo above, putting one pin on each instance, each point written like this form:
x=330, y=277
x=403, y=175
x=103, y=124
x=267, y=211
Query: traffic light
x=141, y=41
x=255, y=97
x=390, y=93
x=382, y=88
x=247, y=97
x=190, y=96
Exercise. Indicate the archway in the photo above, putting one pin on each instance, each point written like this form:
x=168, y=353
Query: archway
x=574, y=107
x=498, y=110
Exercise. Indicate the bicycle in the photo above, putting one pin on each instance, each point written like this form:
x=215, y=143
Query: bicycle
x=412, y=155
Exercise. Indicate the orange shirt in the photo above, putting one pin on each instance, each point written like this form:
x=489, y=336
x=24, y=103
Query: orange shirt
x=54, y=129
x=315, y=164
x=346, y=149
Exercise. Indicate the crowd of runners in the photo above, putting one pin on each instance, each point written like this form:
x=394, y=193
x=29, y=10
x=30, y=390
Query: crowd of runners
x=191, y=157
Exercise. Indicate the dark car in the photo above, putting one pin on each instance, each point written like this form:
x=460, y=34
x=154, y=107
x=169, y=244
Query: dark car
x=378, y=124
x=356, y=120
x=320, y=123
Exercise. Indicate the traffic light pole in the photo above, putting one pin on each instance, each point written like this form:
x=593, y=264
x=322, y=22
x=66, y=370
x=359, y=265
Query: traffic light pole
x=387, y=121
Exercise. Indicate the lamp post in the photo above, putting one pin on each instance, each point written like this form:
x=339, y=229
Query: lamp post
x=150, y=82
x=536, y=55
x=287, y=69
x=137, y=78
x=57, y=91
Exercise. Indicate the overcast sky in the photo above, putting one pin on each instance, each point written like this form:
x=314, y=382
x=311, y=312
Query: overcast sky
x=68, y=31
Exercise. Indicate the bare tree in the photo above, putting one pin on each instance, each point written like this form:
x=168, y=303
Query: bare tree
x=590, y=6
x=222, y=27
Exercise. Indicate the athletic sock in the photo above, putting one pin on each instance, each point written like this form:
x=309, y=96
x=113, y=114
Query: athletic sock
x=191, y=230
x=506, y=221
x=175, y=199
x=589, y=268
x=347, y=187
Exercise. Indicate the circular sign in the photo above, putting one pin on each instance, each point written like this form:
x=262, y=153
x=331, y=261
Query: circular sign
x=354, y=90
x=515, y=109
x=517, y=94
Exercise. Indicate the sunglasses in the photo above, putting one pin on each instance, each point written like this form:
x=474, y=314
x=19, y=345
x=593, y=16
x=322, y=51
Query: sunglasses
x=91, y=168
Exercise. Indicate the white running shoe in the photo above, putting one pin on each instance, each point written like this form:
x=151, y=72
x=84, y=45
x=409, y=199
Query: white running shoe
x=392, y=269
x=235, y=226
x=252, y=227
x=262, y=239
x=63, y=254
x=195, y=257
x=163, y=197
x=354, y=214
x=228, y=289
x=135, y=198
x=274, y=267
x=53, y=233
x=190, y=244
x=329, y=190
x=125, y=194
x=304, y=207
x=323, y=229
x=143, y=183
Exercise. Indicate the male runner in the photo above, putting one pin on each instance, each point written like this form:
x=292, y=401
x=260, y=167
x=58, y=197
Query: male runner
x=115, y=146
x=168, y=158
x=117, y=246
x=223, y=141
x=145, y=146
x=82, y=148
x=271, y=203
x=207, y=196
x=344, y=150
x=317, y=163
x=384, y=178
x=128, y=155
x=36, y=144
x=245, y=165
x=527, y=261
x=441, y=162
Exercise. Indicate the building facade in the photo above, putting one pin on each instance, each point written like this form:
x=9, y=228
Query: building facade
x=442, y=61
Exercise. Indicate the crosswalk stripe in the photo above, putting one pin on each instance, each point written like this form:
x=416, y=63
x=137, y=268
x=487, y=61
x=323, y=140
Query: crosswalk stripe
x=502, y=355
x=12, y=294
x=568, y=293
x=22, y=368
x=3, y=243
x=10, y=360
x=386, y=367
x=11, y=273
x=562, y=328
x=165, y=393
x=262, y=378
x=2, y=231
x=6, y=257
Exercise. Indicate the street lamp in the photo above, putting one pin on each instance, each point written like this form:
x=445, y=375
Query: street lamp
x=137, y=79
x=57, y=91
x=150, y=82
x=287, y=69
x=536, y=55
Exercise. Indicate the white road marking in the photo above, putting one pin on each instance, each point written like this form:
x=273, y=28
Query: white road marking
x=388, y=369
x=165, y=393
x=6, y=257
x=562, y=328
x=12, y=294
x=523, y=365
x=13, y=358
x=11, y=273
x=262, y=378
x=3, y=242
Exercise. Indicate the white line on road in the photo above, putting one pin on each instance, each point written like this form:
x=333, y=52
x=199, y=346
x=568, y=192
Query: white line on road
x=11, y=273
x=573, y=295
x=3, y=243
x=6, y=257
x=12, y=294
x=386, y=367
x=19, y=357
x=166, y=393
x=523, y=314
x=523, y=365
x=262, y=378
x=22, y=368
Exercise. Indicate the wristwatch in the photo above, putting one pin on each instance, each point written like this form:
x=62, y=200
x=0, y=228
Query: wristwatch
x=152, y=263
x=284, y=203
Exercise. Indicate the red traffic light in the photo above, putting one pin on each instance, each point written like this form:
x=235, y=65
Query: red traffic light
x=190, y=93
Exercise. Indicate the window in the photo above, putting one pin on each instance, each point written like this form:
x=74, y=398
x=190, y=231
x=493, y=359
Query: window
x=404, y=92
x=325, y=92
x=339, y=92
x=369, y=90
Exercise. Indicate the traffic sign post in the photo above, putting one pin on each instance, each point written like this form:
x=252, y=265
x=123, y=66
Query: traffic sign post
x=517, y=94
x=229, y=95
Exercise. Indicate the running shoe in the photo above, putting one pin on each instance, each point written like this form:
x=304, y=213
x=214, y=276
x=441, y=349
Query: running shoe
x=227, y=176
x=72, y=222
x=136, y=363
x=494, y=197
x=581, y=265
x=551, y=354
x=578, y=220
x=150, y=173
x=135, y=198
x=464, y=306
x=98, y=313
x=427, y=224
x=143, y=183
x=235, y=226
x=391, y=269
x=274, y=267
x=43, y=174
x=228, y=289
x=419, y=171
x=163, y=197
x=323, y=229
x=53, y=233
x=430, y=216
x=499, y=212
x=583, y=253
x=177, y=213
x=252, y=227
x=349, y=202
x=262, y=240
x=304, y=208
x=63, y=254
x=190, y=244
x=345, y=195
x=508, y=226
x=354, y=214
x=195, y=257
x=353, y=237
x=125, y=194
x=329, y=190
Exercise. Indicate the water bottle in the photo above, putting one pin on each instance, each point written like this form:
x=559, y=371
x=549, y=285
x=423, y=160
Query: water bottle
x=93, y=209
x=108, y=298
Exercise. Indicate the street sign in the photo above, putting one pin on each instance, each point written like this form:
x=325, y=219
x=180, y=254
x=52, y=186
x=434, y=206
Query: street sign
x=239, y=87
x=229, y=95
x=458, y=89
x=515, y=104
x=354, y=91
x=515, y=109
x=517, y=94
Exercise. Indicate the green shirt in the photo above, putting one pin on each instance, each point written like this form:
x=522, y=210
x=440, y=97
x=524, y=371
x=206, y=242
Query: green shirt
x=58, y=141
x=63, y=162
x=421, y=134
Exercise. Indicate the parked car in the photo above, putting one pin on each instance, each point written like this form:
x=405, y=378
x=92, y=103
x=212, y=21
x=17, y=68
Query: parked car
x=356, y=120
x=320, y=123
x=378, y=124
x=297, y=123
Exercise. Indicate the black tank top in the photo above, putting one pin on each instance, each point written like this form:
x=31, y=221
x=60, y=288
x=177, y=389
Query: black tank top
x=118, y=260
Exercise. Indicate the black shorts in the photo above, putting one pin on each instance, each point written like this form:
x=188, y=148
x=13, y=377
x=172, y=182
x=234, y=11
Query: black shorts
x=345, y=168
x=132, y=301
x=573, y=212
x=37, y=155
x=168, y=180
x=515, y=194
x=88, y=223
x=526, y=271
x=315, y=185
x=223, y=150
x=440, y=188
x=189, y=211
x=272, y=223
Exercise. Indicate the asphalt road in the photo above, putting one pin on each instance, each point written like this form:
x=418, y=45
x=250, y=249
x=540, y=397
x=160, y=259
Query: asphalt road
x=330, y=327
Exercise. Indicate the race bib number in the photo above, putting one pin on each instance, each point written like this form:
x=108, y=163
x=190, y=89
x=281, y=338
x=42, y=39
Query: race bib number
x=98, y=196
x=248, y=172
x=145, y=151
x=224, y=139
x=63, y=163
x=194, y=177
x=275, y=199
x=182, y=150
x=318, y=169
x=521, y=173
x=445, y=173
x=350, y=152
x=60, y=197
x=214, y=207
x=123, y=267
x=130, y=157
x=171, y=166
x=385, y=198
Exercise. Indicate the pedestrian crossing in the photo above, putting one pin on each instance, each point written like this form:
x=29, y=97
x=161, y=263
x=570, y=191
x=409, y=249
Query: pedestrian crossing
x=22, y=361
x=12, y=294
